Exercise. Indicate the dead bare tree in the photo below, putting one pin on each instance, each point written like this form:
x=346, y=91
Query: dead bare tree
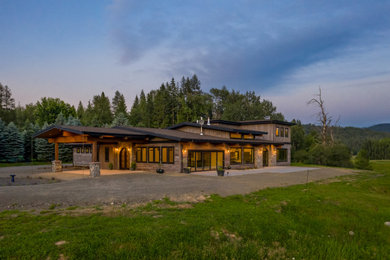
x=323, y=117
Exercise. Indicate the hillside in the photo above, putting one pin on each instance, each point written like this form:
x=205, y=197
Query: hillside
x=381, y=127
x=353, y=137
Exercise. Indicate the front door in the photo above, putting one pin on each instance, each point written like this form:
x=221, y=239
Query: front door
x=124, y=162
x=265, y=157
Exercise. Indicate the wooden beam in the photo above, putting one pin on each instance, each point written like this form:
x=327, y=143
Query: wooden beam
x=69, y=139
x=66, y=133
x=94, y=152
x=56, y=153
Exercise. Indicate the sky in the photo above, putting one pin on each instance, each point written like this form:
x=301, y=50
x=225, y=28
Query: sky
x=283, y=50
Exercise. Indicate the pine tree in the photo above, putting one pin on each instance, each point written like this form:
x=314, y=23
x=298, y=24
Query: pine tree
x=73, y=121
x=135, y=117
x=102, y=110
x=119, y=104
x=3, y=141
x=60, y=120
x=120, y=120
x=29, y=141
x=44, y=149
x=80, y=111
x=14, y=149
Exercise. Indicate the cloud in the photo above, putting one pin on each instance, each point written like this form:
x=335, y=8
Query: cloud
x=246, y=44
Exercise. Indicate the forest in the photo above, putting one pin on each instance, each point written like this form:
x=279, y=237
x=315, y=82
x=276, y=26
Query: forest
x=172, y=103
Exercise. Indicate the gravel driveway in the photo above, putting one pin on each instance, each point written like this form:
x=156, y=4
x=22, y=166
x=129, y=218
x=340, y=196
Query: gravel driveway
x=143, y=187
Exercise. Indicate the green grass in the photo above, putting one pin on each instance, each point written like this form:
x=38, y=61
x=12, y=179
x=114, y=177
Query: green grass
x=310, y=222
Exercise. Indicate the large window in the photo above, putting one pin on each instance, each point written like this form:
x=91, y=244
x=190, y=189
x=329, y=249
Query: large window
x=235, y=156
x=141, y=155
x=154, y=155
x=106, y=154
x=281, y=155
x=241, y=155
x=249, y=136
x=286, y=132
x=277, y=132
x=247, y=155
x=167, y=155
x=205, y=160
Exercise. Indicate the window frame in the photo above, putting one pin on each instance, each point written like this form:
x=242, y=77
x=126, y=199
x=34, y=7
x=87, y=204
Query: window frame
x=277, y=131
x=238, y=134
x=253, y=155
x=168, y=155
x=278, y=156
x=286, y=132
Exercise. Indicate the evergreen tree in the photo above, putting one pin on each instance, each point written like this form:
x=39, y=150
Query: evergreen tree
x=80, y=110
x=73, y=121
x=7, y=104
x=135, y=117
x=13, y=149
x=3, y=141
x=120, y=120
x=119, y=104
x=101, y=110
x=29, y=141
x=60, y=120
x=43, y=149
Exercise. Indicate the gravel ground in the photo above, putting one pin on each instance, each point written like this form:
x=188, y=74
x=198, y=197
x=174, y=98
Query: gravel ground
x=136, y=188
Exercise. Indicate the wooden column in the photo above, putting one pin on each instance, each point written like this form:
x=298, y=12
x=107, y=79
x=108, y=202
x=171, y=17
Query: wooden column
x=56, y=156
x=94, y=152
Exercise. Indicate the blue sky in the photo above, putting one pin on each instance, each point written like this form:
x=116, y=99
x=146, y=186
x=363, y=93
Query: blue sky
x=283, y=50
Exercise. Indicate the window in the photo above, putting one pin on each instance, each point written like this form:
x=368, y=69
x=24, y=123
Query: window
x=167, y=155
x=286, y=132
x=247, y=155
x=78, y=150
x=82, y=149
x=154, y=155
x=282, y=132
x=140, y=154
x=106, y=154
x=87, y=150
x=281, y=155
x=249, y=136
x=235, y=156
x=277, y=131
x=235, y=136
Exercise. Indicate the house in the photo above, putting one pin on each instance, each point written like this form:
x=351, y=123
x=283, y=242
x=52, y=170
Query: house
x=218, y=143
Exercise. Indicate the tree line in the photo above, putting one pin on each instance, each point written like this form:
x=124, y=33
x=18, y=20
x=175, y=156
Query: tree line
x=172, y=103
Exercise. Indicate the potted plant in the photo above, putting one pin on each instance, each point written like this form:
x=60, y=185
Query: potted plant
x=133, y=166
x=110, y=166
x=159, y=169
x=187, y=170
x=220, y=171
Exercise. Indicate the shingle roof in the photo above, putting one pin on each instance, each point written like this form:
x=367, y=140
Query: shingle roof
x=221, y=128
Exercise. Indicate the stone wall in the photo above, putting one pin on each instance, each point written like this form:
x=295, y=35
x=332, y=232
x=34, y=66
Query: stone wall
x=82, y=159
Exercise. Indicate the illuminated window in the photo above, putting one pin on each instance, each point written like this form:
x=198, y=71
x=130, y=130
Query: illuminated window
x=286, y=132
x=78, y=150
x=154, y=155
x=167, y=155
x=282, y=132
x=235, y=136
x=249, y=137
x=248, y=155
x=235, y=156
x=141, y=154
x=281, y=155
x=277, y=131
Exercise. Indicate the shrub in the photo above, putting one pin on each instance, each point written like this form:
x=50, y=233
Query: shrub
x=110, y=166
x=339, y=155
x=362, y=161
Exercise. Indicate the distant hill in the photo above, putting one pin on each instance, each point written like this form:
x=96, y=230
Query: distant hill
x=353, y=137
x=381, y=127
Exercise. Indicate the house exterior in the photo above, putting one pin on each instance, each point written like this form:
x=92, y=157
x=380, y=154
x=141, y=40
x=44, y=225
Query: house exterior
x=219, y=143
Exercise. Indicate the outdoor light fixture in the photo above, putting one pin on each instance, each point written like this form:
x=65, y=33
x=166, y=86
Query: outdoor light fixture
x=201, y=122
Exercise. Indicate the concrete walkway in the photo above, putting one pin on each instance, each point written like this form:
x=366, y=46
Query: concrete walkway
x=274, y=169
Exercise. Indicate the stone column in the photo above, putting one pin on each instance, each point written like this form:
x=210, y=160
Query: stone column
x=56, y=166
x=94, y=169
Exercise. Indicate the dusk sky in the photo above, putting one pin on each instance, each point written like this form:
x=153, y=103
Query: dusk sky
x=282, y=50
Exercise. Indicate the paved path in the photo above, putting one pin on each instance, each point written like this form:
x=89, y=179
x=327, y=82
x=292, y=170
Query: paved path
x=274, y=169
x=144, y=187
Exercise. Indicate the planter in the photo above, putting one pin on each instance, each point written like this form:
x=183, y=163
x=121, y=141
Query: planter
x=160, y=171
x=221, y=172
x=187, y=170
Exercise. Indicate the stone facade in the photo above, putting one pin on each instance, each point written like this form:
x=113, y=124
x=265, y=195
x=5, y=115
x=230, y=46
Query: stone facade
x=94, y=169
x=56, y=166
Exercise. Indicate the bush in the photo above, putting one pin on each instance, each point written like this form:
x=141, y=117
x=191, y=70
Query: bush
x=362, y=161
x=319, y=154
x=301, y=156
x=339, y=155
x=110, y=166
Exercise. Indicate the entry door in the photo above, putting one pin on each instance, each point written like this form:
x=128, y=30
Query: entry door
x=206, y=161
x=124, y=159
x=265, y=157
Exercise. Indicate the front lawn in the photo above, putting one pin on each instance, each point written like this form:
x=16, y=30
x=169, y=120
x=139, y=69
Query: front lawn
x=342, y=218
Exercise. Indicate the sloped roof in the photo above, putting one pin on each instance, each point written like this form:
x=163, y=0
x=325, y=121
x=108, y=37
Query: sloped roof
x=252, y=122
x=56, y=130
x=220, y=128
